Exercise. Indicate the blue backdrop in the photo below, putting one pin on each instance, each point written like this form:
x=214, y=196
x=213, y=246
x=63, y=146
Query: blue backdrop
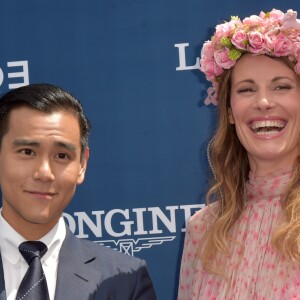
x=133, y=65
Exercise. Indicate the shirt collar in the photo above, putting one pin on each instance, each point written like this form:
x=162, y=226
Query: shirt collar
x=10, y=241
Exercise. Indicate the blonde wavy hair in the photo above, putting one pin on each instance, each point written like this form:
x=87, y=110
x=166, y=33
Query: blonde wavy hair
x=230, y=166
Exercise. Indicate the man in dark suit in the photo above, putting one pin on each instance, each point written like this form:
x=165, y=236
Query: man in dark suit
x=43, y=156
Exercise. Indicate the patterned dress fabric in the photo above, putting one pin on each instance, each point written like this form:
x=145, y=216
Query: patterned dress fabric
x=254, y=269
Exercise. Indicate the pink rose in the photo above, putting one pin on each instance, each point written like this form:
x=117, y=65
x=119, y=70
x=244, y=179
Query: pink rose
x=226, y=29
x=262, y=14
x=270, y=41
x=295, y=37
x=283, y=46
x=257, y=42
x=276, y=15
x=296, y=56
x=290, y=20
x=207, y=51
x=240, y=39
x=253, y=21
x=223, y=60
x=296, y=49
x=210, y=68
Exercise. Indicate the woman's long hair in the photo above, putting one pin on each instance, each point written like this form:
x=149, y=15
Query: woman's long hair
x=230, y=167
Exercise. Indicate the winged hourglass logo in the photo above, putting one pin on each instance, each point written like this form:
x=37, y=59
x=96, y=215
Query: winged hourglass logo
x=132, y=230
x=132, y=246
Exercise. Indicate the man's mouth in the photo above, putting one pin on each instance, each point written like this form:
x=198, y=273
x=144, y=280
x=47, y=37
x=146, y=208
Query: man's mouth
x=42, y=194
x=267, y=127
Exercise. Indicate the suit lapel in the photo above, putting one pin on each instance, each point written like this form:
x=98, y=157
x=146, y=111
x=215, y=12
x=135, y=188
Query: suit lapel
x=75, y=278
x=2, y=284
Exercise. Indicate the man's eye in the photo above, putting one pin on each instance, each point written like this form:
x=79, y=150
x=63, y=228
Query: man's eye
x=62, y=156
x=27, y=152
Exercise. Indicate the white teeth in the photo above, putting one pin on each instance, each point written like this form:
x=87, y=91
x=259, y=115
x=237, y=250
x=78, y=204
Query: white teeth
x=267, y=132
x=268, y=123
x=267, y=127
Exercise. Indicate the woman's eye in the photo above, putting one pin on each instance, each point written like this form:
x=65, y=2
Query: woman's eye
x=245, y=90
x=283, y=87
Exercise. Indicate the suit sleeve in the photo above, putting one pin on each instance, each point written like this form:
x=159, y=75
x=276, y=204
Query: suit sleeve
x=144, y=289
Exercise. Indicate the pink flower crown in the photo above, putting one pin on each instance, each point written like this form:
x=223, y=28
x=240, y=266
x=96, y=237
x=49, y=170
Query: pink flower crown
x=274, y=33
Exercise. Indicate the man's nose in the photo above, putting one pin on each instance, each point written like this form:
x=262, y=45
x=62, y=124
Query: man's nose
x=44, y=171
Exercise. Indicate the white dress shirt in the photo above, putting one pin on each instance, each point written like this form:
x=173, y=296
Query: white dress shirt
x=15, y=266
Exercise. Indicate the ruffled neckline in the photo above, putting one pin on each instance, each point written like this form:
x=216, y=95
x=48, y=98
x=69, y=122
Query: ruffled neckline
x=267, y=187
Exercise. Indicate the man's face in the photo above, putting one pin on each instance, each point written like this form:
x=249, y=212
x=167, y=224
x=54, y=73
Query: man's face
x=40, y=167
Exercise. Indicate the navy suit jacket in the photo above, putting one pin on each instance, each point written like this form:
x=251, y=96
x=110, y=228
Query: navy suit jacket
x=89, y=271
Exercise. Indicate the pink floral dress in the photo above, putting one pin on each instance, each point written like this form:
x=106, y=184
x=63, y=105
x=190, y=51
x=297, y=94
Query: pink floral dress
x=256, y=272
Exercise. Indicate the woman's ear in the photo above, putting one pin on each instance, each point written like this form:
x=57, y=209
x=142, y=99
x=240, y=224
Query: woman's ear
x=230, y=116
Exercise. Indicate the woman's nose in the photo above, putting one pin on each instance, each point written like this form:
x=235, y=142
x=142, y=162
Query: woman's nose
x=264, y=102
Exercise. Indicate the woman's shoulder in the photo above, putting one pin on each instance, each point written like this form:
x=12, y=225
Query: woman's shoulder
x=203, y=218
x=206, y=213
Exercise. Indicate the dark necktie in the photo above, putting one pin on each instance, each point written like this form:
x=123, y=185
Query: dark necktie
x=33, y=285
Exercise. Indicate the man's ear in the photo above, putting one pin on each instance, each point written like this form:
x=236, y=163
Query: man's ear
x=230, y=116
x=83, y=165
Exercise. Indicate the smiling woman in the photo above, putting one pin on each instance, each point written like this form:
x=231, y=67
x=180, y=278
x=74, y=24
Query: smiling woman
x=245, y=243
x=265, y=109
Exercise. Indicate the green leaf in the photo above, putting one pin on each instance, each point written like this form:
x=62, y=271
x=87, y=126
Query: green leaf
x=226, y=42
x=234, y=54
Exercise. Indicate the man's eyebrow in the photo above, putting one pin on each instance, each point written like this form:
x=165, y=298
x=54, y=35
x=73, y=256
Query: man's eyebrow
x=25, y=142
x=68, y=146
